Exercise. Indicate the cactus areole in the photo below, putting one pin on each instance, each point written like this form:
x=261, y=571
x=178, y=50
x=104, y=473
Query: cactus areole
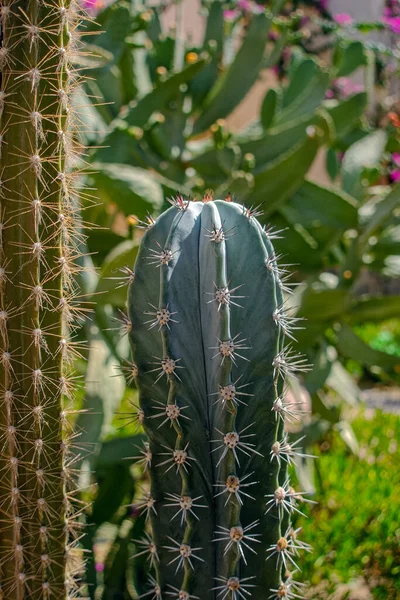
x=211, y=344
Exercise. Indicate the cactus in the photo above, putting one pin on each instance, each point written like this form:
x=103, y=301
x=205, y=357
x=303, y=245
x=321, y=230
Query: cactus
x=38, y=253
x=211, y=339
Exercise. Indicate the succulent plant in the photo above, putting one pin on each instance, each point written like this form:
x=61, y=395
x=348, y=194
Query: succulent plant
x=38, y=260
x=211, y=339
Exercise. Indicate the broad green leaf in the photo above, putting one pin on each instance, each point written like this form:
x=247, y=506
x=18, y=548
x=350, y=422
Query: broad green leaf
x=110, y=288
x=322, y=363
x=268, y=107
x=374, y=309
x=350, y=345
x=300, y=78
x=364, y=154
x=214, y=35
x=125, y=449
x=134, y=190
x=349, y=57
x=332, y=164
x=270, y=145
x=384, y=209
x=323, y=211
x=282, y=177
x=103, y=393
x=138, y=114
x=115, y=485
x=323, y=305
x=346, y=113
x=215, y=165
x=307, y=101
x=233, y=85
x=343, y=384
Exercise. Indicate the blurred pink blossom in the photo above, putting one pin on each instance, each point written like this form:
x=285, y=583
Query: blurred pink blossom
x=244, y=4
x=343, y=19
x=99, y=567
x=395, y=175
x=230, y=15
x=393, y=23
x=396, y=158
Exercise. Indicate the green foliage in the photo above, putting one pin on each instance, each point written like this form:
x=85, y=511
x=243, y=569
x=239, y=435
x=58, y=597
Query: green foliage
x=355, y=528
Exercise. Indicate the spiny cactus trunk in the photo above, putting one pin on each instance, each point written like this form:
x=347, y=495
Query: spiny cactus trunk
x=37, y=262
x=210, y=358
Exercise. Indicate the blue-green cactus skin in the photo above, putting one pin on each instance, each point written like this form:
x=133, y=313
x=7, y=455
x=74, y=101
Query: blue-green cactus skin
x=207, y=300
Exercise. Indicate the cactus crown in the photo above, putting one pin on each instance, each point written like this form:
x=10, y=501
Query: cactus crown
x=210, y=363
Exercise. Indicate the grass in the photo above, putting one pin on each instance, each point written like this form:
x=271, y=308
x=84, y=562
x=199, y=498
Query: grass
x=355, y=529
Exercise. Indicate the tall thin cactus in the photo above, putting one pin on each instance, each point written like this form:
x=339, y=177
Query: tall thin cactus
x=38, y=252
x=211, y=338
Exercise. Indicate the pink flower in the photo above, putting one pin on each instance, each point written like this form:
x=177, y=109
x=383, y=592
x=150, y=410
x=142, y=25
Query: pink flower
x=99, y=567
x=329, y=94
x=230, y=15
x=244, y=4
x=343, y=19
x=396, y=158
x=395, y=175
x=393, y=23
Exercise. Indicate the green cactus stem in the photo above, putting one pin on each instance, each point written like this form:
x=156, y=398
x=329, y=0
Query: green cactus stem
x=211, y=339
x=38, y=250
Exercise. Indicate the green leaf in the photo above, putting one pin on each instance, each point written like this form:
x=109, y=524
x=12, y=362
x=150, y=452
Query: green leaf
x=120, y=449
x=384, y=209
x=268, y=146
x=268, y=107
x=215, y=165
x=233, y=85
x=374, y=309
x=108, y=290
x=204, y=81
x=364, y=154
x=322, y=364
x=164, y=91
x=307, y=100
x=103, y=394
x=300, y=78
x=114, y=486
x=349, y=57
x=332, y=164
x=282, y=177
x=323, y=211
x=350, y=345
x=323, y=305
x=133, y=189
x=343, y=384
x=347, y=113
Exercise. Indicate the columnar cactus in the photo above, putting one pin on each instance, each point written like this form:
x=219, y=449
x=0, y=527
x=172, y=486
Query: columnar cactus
x=211, y=339
x=38, y=250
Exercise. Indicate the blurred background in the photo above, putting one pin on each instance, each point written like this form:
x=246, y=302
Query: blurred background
x=293, y=106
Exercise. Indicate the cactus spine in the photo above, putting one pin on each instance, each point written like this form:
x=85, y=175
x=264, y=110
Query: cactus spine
x=210, y=333
x=38, y=249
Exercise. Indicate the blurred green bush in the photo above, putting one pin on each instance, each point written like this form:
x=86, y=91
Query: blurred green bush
x=355, y=528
